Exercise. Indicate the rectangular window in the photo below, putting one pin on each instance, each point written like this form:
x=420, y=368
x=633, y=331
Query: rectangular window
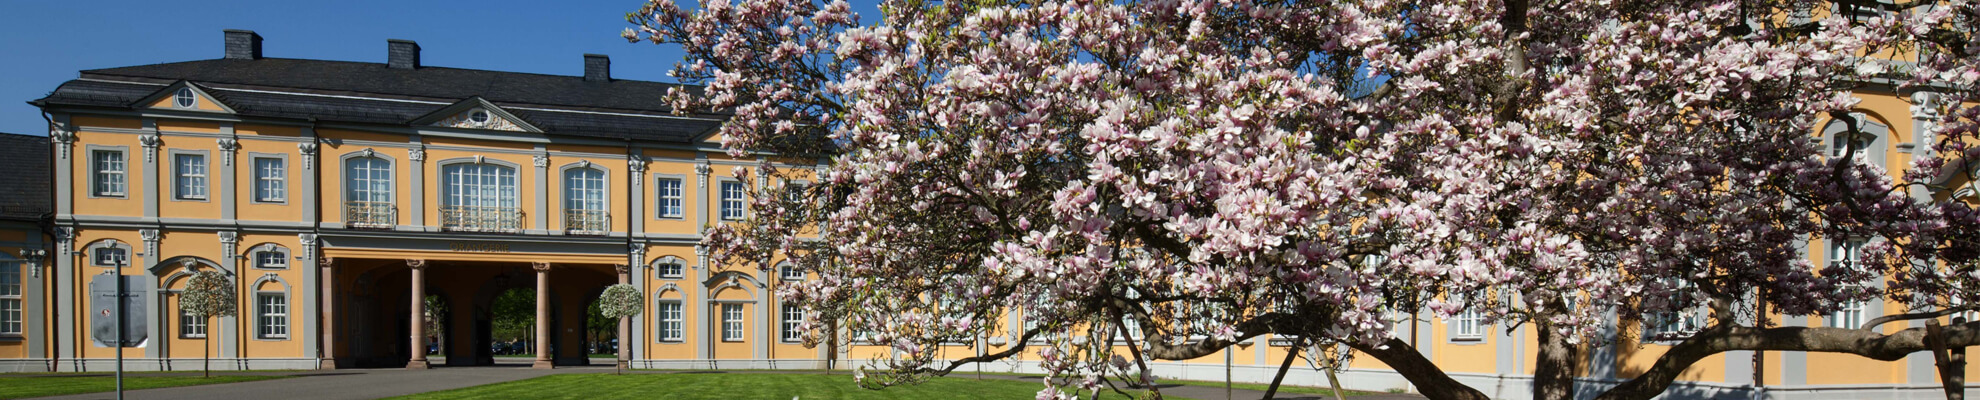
x=109, y=172
x=793, y=317
x=110, y=257
x=10, y=298
x=270, y=260
x=669, y=193
x=191, y=176
x=190, y=327
x=1470, y=325
x=270, y=180
x=272, y=316
x=479, y=197
x=670, y=321
x=794, y=192
x=732, y=201
x=368, y=193
x=671, y=270
x=732, y=322
x=790, y=272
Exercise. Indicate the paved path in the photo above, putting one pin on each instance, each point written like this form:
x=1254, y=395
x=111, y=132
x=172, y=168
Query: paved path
x=377, y=383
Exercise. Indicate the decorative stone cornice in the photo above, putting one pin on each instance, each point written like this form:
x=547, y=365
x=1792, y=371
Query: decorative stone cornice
x=229, y=237
x=150, y=141
x=636, y=164
x=540, y=160
x=308, y=150
x=33, y=258
x=63, y=139
x=151, y=238
x=622, y=269
x=1925, y=105
x=416, y=154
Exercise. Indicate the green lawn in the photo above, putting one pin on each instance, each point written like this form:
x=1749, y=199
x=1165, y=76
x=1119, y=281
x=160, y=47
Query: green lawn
x=1283, y=388
x=38, y=385
x=722, y=385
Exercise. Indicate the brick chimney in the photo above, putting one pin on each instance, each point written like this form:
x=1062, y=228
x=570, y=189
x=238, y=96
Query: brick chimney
x=242, y=45
x=597, y=68
x=401, y=54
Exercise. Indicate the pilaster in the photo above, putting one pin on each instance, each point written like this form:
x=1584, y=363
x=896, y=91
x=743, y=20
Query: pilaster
x=418, y=323
x=149, y=169
x=703, y=319
x=307, y=312
x=637, y=261
x=542, y=211
x=636, y=198
x=227, y=181
x=416, y=166
x=64, y=139
x=701, y=171
x=143, y=263
x=310, y=176
x=33, y=299
x=1924, y=131
x=229, y=327
x=65, y=279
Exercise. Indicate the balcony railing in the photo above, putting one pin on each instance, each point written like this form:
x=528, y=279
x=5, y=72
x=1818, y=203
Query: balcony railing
x=370, y=214
x=480, y=219
x=587, y=222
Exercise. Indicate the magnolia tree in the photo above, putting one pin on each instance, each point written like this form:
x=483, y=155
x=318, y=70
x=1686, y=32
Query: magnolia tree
x=1162, y=179
x=620, y=302
x=208, y=294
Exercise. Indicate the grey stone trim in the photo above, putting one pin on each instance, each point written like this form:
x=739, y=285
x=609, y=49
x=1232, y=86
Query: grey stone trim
x=180, y=364
x=717, y=198
x=89, y=251
x=254, y=260
x=150, y=170
x=636, y=197
x=89, y=159
x=700, y=314
x=416, y=159
x=228, y=181
x=1794, y=364
x=254, y=178
x=701, y=171
x=343, y=162
x=563, y=194
x=254, y=314
x=137, y=222
x=306, y=325
x=686, y=193
x=1880, y=136
x=657, y=274
x=63, y=137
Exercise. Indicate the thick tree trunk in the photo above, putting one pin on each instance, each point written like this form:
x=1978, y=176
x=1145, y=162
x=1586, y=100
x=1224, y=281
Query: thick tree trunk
x=1429, y=379
x=1292, y=353
x=1719, y=339
x=1553, y=373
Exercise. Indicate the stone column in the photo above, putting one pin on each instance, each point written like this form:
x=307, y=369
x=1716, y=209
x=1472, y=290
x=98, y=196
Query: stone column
x=418, y=320
x=327, y=322
x=543, y=360
x=625, y=323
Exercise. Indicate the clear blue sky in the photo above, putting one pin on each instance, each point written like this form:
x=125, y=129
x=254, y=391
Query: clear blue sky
x=44, y=43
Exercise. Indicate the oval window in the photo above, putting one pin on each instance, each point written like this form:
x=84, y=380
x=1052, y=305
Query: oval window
x=478, y=116
x=184, y=98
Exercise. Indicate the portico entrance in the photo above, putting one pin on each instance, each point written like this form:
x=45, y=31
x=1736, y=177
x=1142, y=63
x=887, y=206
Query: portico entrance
x=369, y=311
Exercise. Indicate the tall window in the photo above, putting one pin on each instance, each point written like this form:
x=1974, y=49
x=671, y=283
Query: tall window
x=669, y=193
x=10, y=298
x=272, y=316
x=790, y=272
x=109, y=166
x=190, y=327
x=191, y=176
x=793, y=317
x=1840, y=147
x=1845, y=254
x=480, y=197
x=584, y=200
x=732, y=322
x=670, y=321
x=270, y=179
x=368, y=192
x=1470, y=324
x=732, y=201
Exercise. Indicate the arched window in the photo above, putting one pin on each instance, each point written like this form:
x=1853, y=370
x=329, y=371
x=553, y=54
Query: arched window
x=584, y=200
x=368, y=192
x=479, y=196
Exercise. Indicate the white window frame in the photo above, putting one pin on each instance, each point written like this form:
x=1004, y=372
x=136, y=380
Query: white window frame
x=271, y=318
x=672, y=324
x=190, y=176
x=96, y=256
x=585, y=190
x=262, y=258
x=184, y=98
x=109, y=180
x=732, y=322
x=734, y=200
x=189, y=327
x=365, y=181
x=271, y=183
x=1470, y=325
x=487, y=186
x=670, y=270
x=790, y=272
x=12, y=321
x=670, y=193
x=793, y=317
x=1846, y=253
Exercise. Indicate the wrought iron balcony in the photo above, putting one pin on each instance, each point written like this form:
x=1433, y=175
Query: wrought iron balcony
x=481, y=219
x=370, y=214
x=587, y=222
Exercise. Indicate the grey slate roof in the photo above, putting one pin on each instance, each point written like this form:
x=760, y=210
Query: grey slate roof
x=371, y=93
x=24, y=177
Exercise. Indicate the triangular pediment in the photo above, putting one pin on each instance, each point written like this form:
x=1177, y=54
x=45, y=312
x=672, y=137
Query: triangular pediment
x=475, y=113
x=184, y=96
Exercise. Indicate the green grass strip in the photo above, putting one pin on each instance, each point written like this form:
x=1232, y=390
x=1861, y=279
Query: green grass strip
x=38, y=385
